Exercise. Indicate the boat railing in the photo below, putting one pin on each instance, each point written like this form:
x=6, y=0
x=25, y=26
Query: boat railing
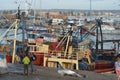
x=39, y=48
x=61, y=55
x=76, y=54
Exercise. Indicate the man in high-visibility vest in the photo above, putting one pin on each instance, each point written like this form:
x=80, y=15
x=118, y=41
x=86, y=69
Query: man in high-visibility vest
x=26, y=62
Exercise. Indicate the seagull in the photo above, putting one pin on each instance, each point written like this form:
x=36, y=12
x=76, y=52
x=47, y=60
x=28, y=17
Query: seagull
x=63, y=72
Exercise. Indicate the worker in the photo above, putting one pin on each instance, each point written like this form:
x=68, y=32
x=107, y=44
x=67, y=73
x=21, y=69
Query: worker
x=21, y=55
x=117, y=68
x=26, y=62
x=32, y=59
x=83, y=64
x=17, y=58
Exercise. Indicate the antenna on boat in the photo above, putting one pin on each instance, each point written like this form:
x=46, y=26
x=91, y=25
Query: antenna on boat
x=18, y=14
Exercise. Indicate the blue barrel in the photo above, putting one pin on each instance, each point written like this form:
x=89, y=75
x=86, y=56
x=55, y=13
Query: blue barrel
x=83, y=65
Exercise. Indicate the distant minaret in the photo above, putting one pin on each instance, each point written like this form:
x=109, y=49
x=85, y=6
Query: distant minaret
x=90, y=9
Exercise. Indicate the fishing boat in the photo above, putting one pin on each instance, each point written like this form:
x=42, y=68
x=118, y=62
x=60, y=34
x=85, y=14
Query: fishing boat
x=68, y=50
x=103, y=66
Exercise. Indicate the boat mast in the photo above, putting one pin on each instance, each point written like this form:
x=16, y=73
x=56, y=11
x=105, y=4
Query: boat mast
x=14, y=46
x=15, y=33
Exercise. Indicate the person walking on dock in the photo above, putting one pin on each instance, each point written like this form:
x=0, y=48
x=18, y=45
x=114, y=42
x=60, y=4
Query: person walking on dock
x=117, y=67
x=22, y=55
x=26, y=62
x=32, y=59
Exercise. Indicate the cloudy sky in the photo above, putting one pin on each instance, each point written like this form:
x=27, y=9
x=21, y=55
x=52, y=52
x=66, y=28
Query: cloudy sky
x=61, y=4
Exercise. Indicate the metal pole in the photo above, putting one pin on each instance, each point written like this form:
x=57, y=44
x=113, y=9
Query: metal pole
x=118, y=46
x=14, y=48
x=96, y=51
x=101, y=35
x=67, y=46
x=81, y=36
x=23, y=31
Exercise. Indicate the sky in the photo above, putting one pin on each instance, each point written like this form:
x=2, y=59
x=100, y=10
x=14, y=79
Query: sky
x=61, y=4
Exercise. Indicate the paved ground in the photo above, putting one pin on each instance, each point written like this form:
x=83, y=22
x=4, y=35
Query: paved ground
x=44, y=73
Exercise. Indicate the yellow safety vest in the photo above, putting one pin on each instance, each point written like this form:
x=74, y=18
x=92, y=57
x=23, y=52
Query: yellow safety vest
x=26, y=60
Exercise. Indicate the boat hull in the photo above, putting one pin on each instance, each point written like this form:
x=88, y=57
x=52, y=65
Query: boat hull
x=103, y=66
